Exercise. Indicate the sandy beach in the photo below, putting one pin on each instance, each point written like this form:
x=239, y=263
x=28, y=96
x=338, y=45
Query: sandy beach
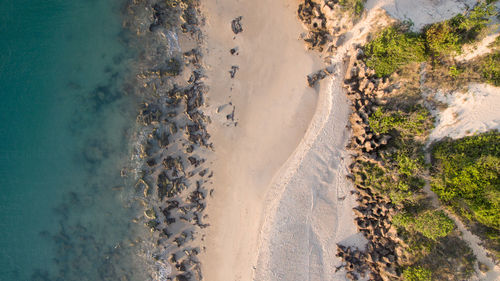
x=273, y=107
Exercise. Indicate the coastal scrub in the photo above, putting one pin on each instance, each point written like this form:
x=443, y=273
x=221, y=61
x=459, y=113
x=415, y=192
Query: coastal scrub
x=396, y=46
x=465, y=176
x=393, y=48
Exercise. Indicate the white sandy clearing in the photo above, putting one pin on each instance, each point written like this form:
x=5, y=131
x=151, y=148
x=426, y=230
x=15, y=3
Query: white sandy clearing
x=475, y=111
x=423, y=12
x=476, y=50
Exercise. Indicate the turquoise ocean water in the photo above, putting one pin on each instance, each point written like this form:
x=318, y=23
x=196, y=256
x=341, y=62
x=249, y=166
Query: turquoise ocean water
x=66, y=121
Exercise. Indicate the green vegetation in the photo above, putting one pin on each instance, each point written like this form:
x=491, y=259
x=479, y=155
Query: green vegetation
x=466, y=176
x=417, y=274
x=444, y=38
x=355, y=7
x=430, y=237
x=415, y=122
x=396, y=46
x=455, y=76
x=431, y=224
x=465, y=173
x=490, y=68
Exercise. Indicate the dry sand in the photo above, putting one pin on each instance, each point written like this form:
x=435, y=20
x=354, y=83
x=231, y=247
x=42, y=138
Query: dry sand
x=474, y=111
x=273, y=108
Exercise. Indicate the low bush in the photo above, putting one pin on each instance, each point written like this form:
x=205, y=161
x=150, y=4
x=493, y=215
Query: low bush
x=417, y=274
x=490, y=68
x=415, y=122
x=449, y=36
x=466, y=176
x=431, y=224
x=393, y=48
x=356, y=7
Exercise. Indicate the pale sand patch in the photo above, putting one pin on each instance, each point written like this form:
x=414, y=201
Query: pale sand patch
x=476, y=50
x=423, y=12
x=273, y=110
x=468, y=113
x=309, y=207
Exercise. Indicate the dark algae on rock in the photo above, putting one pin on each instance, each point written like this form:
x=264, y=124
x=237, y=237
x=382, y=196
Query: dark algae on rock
x=173, y=140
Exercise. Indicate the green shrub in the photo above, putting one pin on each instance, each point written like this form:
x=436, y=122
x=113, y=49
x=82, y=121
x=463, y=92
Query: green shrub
x=454, y=71
x=490, y=68
x=448, y=36
x=417, y=274
x=393, y=48
x=356, y=7
x=441, y=38
x=431, y=224
x=416, y=122
x=466, y=176
x=434, y=224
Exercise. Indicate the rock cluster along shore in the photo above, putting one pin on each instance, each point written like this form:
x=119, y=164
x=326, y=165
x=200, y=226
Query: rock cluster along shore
x=327, y=23
x=374, y=212
x=173, y=177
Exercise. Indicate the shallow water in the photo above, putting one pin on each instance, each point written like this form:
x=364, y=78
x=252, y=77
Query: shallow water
x=66, y=126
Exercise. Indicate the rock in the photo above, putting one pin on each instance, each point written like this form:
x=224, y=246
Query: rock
x=233, y=70
x=483, y=267
x=236, y=25
x=312, y=79
x=150, y=214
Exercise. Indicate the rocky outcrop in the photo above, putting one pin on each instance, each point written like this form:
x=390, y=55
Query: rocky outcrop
x=174, y=140
x=326, y=22
x=374, y=212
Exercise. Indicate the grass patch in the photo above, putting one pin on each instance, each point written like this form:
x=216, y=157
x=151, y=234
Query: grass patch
x=412, y=123
x=467, y=171
x=431, y=224
x=490, y=68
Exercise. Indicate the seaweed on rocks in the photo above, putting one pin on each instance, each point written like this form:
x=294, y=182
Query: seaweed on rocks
x=173, y=133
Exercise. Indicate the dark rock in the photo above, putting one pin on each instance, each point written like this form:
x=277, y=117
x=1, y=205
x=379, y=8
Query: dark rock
x=233, y=70
x=236, y=25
